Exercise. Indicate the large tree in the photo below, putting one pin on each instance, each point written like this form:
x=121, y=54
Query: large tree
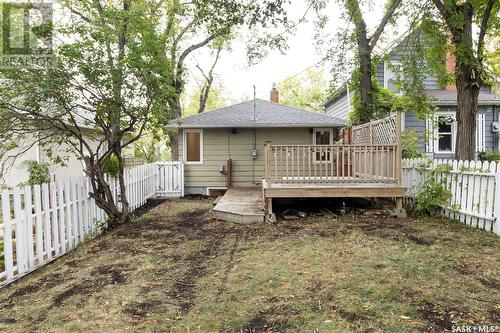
x=192, y=25
x=459, y=18
x=106, y=85
x=365, y=44
x=349, y=49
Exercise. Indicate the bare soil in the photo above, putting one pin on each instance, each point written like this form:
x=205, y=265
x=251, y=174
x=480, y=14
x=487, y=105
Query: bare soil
x=177, y=269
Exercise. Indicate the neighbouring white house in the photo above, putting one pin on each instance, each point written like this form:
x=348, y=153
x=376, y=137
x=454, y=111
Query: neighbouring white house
x=16, y=171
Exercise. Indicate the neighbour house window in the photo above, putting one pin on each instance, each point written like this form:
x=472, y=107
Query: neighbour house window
x=322, y=137
x=445, y=133
x=193, y=146
x=391, y=71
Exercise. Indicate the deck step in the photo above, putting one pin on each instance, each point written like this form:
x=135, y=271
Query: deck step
x=241, y=205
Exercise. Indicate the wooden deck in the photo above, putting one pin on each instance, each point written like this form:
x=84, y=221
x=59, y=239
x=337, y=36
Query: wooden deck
x=241, y=205
x=332, y=190
x=364, y=163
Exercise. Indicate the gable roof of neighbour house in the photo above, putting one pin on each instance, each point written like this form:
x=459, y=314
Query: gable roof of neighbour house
x=267, y=114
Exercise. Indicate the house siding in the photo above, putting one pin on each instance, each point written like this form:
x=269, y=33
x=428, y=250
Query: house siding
x=221, y=144
x=339, y=108
x=412, y=123
x=379, y=74
x=17, y=173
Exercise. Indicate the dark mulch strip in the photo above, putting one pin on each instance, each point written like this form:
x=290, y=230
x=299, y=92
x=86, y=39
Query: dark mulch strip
x=150, y=204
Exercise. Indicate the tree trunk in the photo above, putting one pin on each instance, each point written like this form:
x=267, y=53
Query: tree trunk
x=365, y=61
x=468, y=78
x=467, y=96
x=173, y=135
x=365, y=66
x=102, y=194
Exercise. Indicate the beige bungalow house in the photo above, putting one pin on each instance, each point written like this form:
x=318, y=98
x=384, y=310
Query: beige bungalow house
x=224, y=148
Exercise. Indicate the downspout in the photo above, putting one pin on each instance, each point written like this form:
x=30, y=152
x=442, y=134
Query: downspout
x=496, y=144
x=254, y=139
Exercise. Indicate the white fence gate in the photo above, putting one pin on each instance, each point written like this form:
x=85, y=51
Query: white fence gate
x=474, y=187
x=40, y=223
x=170, y=179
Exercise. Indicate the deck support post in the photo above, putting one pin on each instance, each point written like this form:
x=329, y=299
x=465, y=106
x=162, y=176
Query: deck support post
x=269, y=210
x=399, y=211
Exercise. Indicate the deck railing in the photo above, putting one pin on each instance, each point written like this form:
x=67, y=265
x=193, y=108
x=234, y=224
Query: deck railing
x=374, y=156
x=331, y=164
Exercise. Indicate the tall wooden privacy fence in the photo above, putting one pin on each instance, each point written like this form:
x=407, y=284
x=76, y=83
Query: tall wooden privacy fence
x=40, y=223
x=474, y=188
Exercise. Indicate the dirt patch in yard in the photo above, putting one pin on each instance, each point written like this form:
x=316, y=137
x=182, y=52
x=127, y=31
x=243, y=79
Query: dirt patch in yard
x=142, y=309
x=177, y=269
x=441, y=317
x=273, y=319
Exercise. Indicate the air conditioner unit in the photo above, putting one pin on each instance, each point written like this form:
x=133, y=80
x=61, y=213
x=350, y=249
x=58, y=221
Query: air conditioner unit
x=495, y=127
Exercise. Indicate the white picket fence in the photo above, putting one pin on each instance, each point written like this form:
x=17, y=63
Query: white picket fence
x=40, y=223
x=474, y=186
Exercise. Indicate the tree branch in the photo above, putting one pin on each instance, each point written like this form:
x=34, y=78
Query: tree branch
x=484, y=25
x=208, y=84
x=387, y=16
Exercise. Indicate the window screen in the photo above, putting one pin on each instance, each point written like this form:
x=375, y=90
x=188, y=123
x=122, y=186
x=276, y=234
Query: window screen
x=193, y=146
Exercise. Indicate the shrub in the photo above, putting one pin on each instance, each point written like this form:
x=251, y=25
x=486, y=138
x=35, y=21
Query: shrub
x=39, y=173
x=432, y=194
x=111, y=166
x=410, y=144
x=491, y=156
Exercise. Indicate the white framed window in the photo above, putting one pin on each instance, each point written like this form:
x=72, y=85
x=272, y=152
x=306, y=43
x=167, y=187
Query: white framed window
x=445, y=128
x=193, y=146
x=392, y=69
x=322, y=137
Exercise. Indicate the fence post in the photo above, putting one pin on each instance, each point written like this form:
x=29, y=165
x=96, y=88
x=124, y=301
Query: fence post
x=7, y=236
x=157, y=178
x=398, y=147
x=496, y=223
x=182, y=178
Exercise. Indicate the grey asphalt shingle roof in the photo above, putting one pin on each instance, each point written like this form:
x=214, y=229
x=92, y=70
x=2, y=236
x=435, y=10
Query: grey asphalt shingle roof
x=268, y=114
x=449, y=97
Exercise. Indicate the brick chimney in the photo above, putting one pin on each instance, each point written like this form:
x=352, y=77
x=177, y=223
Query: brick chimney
x=450, y=63
x=275, y=95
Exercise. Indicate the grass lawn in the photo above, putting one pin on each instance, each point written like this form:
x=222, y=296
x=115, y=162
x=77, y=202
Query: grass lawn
x=178, y=270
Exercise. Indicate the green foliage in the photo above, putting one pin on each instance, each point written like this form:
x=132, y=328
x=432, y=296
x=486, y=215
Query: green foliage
x=384, y=100
x=307, y=91
x=39, y=173
x=216, y=99
x=410, y=144
x=433, y=193
x=491, y=156
x=112, y=166
x=152, y=147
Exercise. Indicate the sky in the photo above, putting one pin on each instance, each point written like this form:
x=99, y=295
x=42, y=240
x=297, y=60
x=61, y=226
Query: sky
x=238, y=77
